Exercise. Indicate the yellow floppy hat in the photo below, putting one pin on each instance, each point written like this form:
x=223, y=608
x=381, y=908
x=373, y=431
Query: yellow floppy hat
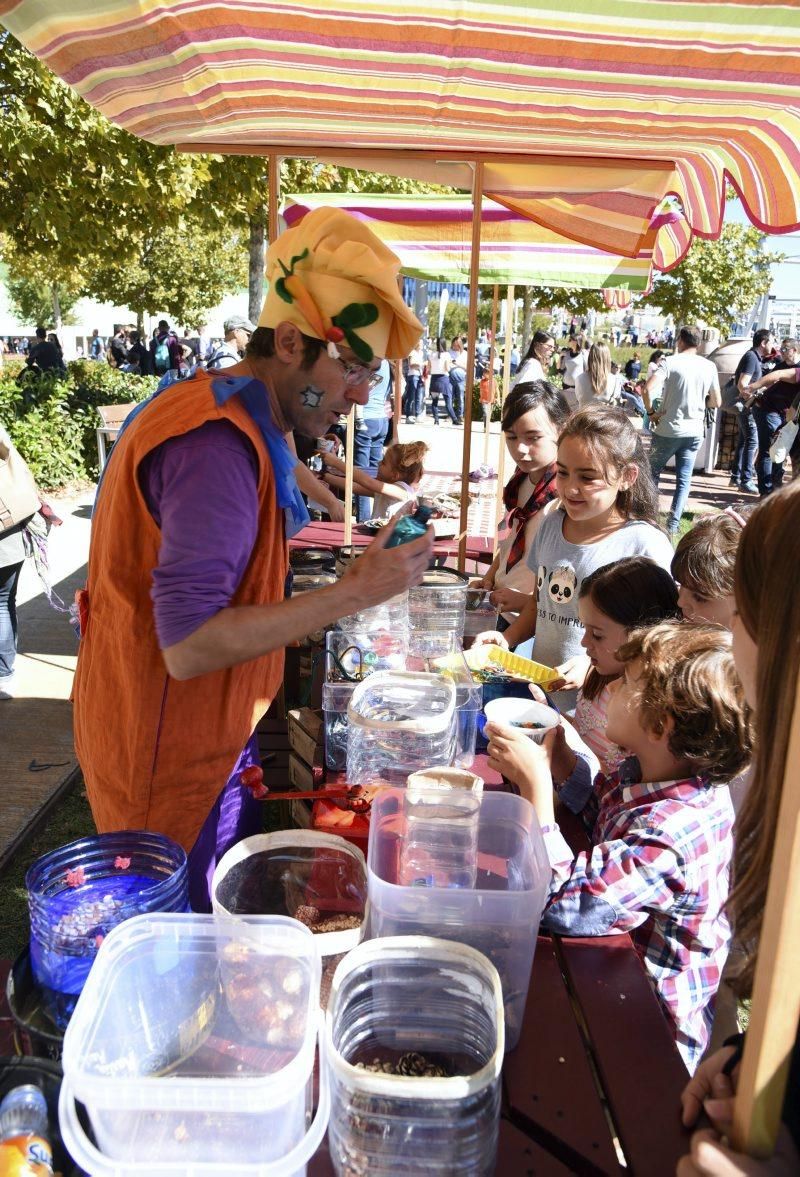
x=337, y=281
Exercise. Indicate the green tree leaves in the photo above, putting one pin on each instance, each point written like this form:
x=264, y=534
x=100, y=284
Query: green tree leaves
x=718, y=281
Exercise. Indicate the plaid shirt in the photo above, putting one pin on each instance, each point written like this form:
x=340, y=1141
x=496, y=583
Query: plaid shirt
x=658, y=868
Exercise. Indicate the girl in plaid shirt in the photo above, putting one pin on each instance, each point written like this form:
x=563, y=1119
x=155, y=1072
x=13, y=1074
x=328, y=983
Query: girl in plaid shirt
x=661, y=826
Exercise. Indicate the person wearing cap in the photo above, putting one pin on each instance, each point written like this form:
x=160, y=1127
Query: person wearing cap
x=230, y=351
x=184, y=618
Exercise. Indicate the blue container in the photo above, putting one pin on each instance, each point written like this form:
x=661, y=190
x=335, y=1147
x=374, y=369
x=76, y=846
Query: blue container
x=79, y=892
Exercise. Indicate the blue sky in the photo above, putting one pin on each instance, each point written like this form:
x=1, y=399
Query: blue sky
x=786, y=276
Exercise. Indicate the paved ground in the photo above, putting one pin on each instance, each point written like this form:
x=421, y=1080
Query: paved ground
x=36, y=727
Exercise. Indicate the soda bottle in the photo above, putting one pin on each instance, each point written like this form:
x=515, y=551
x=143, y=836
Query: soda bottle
x=410, y=527
x=24, y=1147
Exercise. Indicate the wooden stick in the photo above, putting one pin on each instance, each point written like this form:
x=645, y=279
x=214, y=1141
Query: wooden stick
x=273, y=195
x=505, y=388
x=349, y=446
x=775, y=1008
x=487, y=437
x=472, y=336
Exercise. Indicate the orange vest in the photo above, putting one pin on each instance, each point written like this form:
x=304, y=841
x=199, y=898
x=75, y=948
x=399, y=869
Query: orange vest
x=155, y=752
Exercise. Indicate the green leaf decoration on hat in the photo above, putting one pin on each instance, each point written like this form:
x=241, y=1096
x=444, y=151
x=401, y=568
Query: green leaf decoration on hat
x=357, y=314
x=280, y=285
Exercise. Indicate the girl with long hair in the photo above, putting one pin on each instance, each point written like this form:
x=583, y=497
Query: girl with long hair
x=596, y=383
x=609, y=509
x=538, y=358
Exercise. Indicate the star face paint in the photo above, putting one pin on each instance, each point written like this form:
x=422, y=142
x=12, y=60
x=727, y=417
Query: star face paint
x=311, y=397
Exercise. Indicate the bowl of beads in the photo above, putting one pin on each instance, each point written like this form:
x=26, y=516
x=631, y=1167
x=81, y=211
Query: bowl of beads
x=526, y=715
x=79, y=892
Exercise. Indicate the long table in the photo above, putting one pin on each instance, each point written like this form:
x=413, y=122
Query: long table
x=331, y=535
x=593, y=1086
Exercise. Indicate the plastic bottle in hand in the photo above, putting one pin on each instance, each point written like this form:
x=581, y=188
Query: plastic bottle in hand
x=24, y=1148
x=410, y=527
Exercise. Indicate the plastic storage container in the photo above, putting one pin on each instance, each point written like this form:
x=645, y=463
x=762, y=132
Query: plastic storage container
x=192, y=1049
x=399, y=722
x=316, y=878
x=439, y=602
x=499, y=917
x=311, y=560
x=79, y=892
x=480, y=614
x=359, y=652
x=431, y=1012
x=388, y=617
x=335, y=701
x=440, y=847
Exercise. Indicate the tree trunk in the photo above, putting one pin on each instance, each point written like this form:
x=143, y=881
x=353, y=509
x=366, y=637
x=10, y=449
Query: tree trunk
x=56, y=307
x=258, y=234
x=527, y=315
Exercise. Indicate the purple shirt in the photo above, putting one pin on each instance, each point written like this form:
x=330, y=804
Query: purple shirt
x=201, y=489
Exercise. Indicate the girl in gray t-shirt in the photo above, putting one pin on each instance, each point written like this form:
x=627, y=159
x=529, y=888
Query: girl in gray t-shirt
x=608, y=510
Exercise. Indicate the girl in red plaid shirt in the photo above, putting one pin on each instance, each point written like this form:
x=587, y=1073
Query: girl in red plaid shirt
x=661, y=826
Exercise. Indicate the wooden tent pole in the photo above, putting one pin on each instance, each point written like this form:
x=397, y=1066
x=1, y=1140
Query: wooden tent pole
x=273, y=195
x=504, y=391
x=487, y=437
x=472, y=337
x=775, y=1007
x=349, y=446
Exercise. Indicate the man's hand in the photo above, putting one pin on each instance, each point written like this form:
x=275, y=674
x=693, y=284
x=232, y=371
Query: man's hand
x=572, y=673
x=335, y=511
x=381, y=572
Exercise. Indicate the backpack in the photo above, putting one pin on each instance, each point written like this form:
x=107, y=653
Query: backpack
x=161, y=357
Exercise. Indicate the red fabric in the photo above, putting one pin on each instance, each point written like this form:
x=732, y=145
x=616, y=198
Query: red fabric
x=543, y=493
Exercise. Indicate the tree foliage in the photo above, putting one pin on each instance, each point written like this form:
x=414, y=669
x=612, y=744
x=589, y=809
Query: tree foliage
x=718, y=281
x=183, y=270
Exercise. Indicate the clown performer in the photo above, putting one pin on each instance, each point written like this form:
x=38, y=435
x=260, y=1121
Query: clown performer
x=184, y=618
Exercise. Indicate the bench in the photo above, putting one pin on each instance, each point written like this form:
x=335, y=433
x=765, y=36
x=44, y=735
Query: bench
x=112, y=417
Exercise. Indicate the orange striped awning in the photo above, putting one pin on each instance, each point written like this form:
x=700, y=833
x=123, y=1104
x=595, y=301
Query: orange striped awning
x=591, y=117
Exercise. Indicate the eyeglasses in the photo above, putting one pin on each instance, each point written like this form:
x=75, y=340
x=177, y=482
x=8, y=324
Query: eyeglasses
x=355, y=374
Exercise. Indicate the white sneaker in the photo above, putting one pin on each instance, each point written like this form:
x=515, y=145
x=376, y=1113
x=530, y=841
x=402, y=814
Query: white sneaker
x=7, y=687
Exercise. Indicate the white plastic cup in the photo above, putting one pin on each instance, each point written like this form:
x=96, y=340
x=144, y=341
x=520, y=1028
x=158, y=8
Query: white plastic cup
x=517, y=713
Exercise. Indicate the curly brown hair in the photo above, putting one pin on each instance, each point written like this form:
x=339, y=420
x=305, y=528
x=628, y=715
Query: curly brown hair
x=769, y=609
x=687, y=676
x=407, y=460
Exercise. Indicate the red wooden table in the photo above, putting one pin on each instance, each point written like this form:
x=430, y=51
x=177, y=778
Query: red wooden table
x=331, y=535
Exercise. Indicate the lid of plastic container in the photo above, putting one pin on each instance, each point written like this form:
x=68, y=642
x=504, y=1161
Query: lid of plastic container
x=443, y=578
x=305, y=582
x=316, y=878
x=404, y=700
x=179, y=1011
x=311, y=556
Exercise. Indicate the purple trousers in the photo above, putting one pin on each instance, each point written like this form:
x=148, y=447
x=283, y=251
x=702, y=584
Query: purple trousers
x=235, y=815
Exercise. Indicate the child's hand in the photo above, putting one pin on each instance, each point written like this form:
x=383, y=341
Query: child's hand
x=490, y=637
x=483, y=582
x=561, y=756
x=507, y=600
x=525, y=763
x=707, y=1083
x=572, y=673
x=538, y=693
x=712, y=1156
x=332, y=461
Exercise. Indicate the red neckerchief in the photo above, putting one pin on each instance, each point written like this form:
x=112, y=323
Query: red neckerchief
x=543, y=493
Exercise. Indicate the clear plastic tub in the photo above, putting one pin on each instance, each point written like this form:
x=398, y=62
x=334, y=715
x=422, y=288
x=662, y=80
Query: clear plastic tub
x=317, y=878
x=399, y=722
x=388, y=617
x=192, y=1045
x=361, y=652
x=79, y=892
x=499, y=917
x=439, y=602
x=417, y=1005
x=335, y=701
x=480, y=615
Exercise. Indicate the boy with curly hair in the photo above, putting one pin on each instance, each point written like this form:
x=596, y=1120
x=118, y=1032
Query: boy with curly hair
x=661, y=826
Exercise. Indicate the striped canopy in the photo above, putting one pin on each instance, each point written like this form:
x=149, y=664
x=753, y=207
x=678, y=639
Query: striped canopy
x=432, y=237
x=590, y=116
